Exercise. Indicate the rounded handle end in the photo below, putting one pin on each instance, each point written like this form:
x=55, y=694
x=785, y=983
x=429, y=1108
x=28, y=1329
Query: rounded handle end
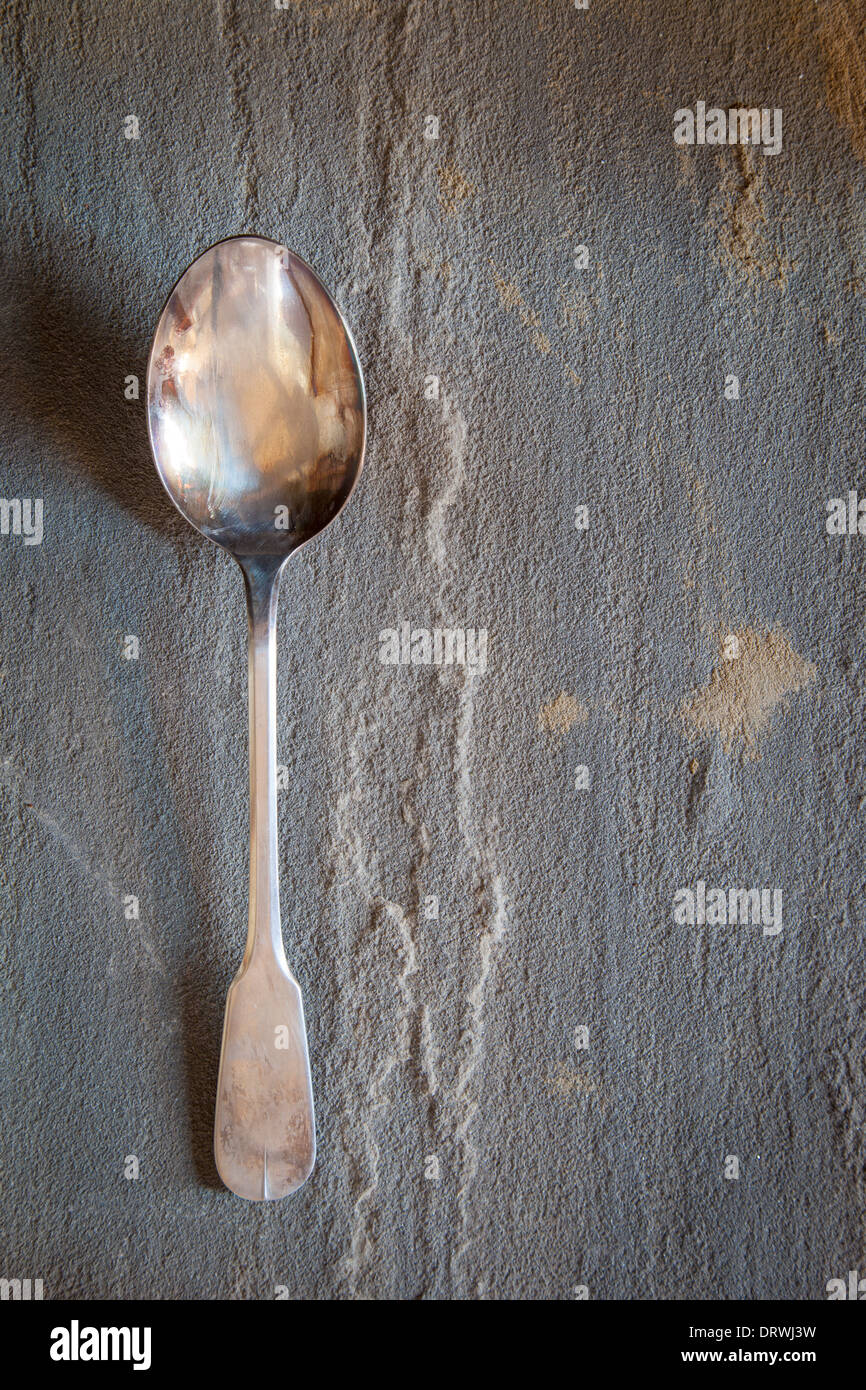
x=264, y=1130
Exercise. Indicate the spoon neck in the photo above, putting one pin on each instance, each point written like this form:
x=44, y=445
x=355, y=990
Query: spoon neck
x=262, y=583
x=261, y=579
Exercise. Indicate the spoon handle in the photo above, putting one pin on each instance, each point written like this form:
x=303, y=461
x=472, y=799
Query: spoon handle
x=264, y=1132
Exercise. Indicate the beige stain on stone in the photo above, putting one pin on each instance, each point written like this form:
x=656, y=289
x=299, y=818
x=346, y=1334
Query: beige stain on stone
x=454, y=189
x=570, y=1085
x=511, y=298
x=560, y=714
x=744, y=691
x=440, y=269
x=742, y=694
x=574, y=311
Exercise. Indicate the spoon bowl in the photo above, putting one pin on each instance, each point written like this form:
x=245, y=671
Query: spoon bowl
x=256, y=400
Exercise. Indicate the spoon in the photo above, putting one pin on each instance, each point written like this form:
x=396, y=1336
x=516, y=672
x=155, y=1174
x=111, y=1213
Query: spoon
x=257, y=420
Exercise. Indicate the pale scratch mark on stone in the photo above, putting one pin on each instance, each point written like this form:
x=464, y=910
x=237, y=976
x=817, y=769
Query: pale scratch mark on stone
x=493, y=905
x=354, y=856
x=435, y=531
x=488, y=890
x=463, y=762
x=14, y=778
x=472, y=1041
x=429, y=1052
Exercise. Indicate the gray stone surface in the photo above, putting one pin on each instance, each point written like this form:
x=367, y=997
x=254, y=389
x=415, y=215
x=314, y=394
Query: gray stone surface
x=558, y=387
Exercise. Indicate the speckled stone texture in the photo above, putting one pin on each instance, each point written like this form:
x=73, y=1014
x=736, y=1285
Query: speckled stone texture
x=693, y=640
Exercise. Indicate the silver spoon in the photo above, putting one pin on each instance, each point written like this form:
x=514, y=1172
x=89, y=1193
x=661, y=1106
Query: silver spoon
x=257, y=422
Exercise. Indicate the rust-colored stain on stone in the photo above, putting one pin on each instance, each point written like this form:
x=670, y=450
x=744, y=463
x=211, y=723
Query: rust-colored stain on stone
x=746, y=249
x=842, y=37
x=560, y=714
x=742, y=693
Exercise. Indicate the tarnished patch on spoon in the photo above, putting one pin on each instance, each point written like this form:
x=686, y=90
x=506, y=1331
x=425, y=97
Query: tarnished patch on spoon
x=257, y=421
